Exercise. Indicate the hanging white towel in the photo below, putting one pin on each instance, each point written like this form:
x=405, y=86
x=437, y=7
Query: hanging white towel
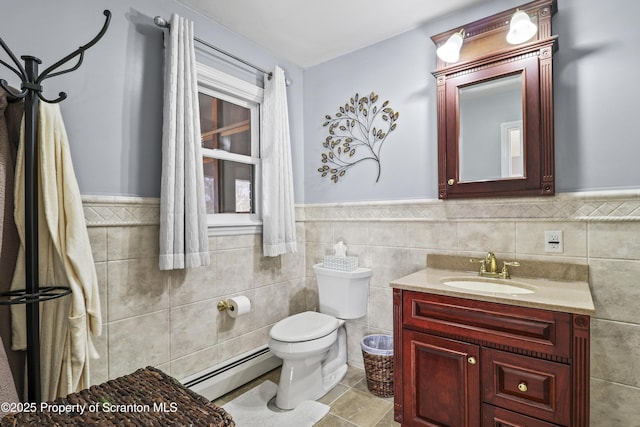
x=278, y=210
x=65, y=259
x=183, y=218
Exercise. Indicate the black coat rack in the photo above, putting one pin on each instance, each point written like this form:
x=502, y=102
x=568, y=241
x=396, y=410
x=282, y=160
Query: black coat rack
x=33, y=294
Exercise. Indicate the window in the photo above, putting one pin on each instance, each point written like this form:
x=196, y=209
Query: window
x=512, y=149
x=230, y=126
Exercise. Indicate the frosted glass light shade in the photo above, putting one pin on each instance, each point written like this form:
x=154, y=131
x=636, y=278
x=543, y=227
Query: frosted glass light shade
x=450, y=51
x=521, y=28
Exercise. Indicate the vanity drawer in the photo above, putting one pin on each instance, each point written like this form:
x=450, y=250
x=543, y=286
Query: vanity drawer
x=506, y=326
x=535, y=387
x=498, y=417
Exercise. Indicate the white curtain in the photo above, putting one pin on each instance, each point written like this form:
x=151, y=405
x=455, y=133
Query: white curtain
x=183, y=218
x=278, y=213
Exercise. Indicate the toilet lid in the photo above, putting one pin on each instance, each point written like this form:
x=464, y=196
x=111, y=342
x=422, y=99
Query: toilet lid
x=304, y=327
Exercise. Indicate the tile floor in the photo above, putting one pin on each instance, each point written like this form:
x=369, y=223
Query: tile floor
x=351, y=403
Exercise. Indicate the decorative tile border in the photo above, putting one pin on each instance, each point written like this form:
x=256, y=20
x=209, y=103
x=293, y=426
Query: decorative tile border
x=101, y=211
x=107, y=211
x=118, y=211
x=592, y=206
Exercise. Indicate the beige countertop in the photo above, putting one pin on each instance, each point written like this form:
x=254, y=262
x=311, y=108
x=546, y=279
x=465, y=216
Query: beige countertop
x=556, y=295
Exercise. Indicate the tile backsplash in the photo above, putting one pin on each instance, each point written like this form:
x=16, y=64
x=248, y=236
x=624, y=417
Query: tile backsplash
x=169, y=320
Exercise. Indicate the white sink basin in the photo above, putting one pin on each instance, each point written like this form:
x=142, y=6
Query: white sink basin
x=484, y=284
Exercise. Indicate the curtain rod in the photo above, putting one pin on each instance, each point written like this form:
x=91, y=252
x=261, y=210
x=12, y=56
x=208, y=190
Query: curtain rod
x=163, y=23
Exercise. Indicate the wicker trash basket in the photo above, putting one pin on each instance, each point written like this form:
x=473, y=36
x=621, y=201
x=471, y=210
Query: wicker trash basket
x=377, y=352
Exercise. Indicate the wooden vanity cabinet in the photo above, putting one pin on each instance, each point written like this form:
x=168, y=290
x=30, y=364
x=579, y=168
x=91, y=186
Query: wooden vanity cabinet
x=466, y=363
x=452, y=381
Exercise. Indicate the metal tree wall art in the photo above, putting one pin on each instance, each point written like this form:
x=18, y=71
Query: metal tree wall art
x=356, y=134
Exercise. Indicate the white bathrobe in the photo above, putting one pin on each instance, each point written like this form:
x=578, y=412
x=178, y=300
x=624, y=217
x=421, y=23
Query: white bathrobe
x=65, y=259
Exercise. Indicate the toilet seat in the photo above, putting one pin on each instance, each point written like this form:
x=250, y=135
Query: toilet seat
x=306, y=326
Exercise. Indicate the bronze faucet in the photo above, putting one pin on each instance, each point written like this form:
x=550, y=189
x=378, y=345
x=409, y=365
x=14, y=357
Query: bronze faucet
x=489, y=267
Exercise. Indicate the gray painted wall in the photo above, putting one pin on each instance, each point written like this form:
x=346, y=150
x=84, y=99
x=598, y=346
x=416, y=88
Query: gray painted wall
x=113, y=114
x=594, y=99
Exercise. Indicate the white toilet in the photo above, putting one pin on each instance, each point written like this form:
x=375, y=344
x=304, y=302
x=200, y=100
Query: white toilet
x=312, y=345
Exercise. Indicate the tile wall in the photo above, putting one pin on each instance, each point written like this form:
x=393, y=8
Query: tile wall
x=169, y=319
x=600, y=229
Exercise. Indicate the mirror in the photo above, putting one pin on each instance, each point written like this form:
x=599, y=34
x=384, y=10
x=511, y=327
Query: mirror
x=495, y=110
x=491, y=138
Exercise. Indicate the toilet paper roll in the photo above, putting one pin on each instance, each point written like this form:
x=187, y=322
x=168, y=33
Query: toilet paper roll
x=239, y=306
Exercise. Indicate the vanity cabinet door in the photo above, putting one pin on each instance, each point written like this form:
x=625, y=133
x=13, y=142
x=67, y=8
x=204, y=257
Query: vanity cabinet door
x=441, y=381
x=498, y=417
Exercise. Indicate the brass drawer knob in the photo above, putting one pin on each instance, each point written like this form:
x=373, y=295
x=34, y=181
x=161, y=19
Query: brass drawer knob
x=523, y=387
x=472, y=360
x=451, y=181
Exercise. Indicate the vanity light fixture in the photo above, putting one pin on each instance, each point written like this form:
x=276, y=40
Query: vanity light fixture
x=521, y=28
x=450, y=51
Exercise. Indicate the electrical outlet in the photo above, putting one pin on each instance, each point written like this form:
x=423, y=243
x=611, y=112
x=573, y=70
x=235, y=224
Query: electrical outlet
x=553, y=241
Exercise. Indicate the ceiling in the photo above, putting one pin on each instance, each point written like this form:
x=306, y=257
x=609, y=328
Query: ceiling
x=309, y=32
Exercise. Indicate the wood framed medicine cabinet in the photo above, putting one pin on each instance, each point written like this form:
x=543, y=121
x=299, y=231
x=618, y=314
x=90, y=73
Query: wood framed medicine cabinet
x=495, y=109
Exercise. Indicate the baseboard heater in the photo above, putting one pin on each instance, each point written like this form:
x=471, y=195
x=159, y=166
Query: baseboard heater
x=231, y=374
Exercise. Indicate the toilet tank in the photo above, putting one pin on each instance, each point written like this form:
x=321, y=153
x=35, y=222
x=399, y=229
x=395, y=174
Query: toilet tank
x=343, y=294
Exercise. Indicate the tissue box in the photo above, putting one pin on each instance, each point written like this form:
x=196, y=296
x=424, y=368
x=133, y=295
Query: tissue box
x=347, y=263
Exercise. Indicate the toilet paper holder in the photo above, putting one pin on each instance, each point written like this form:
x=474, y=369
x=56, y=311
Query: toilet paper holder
x=236, y=306
x=224, y=305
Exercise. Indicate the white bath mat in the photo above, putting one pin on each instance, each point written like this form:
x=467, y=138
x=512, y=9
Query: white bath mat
x=250, y=409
